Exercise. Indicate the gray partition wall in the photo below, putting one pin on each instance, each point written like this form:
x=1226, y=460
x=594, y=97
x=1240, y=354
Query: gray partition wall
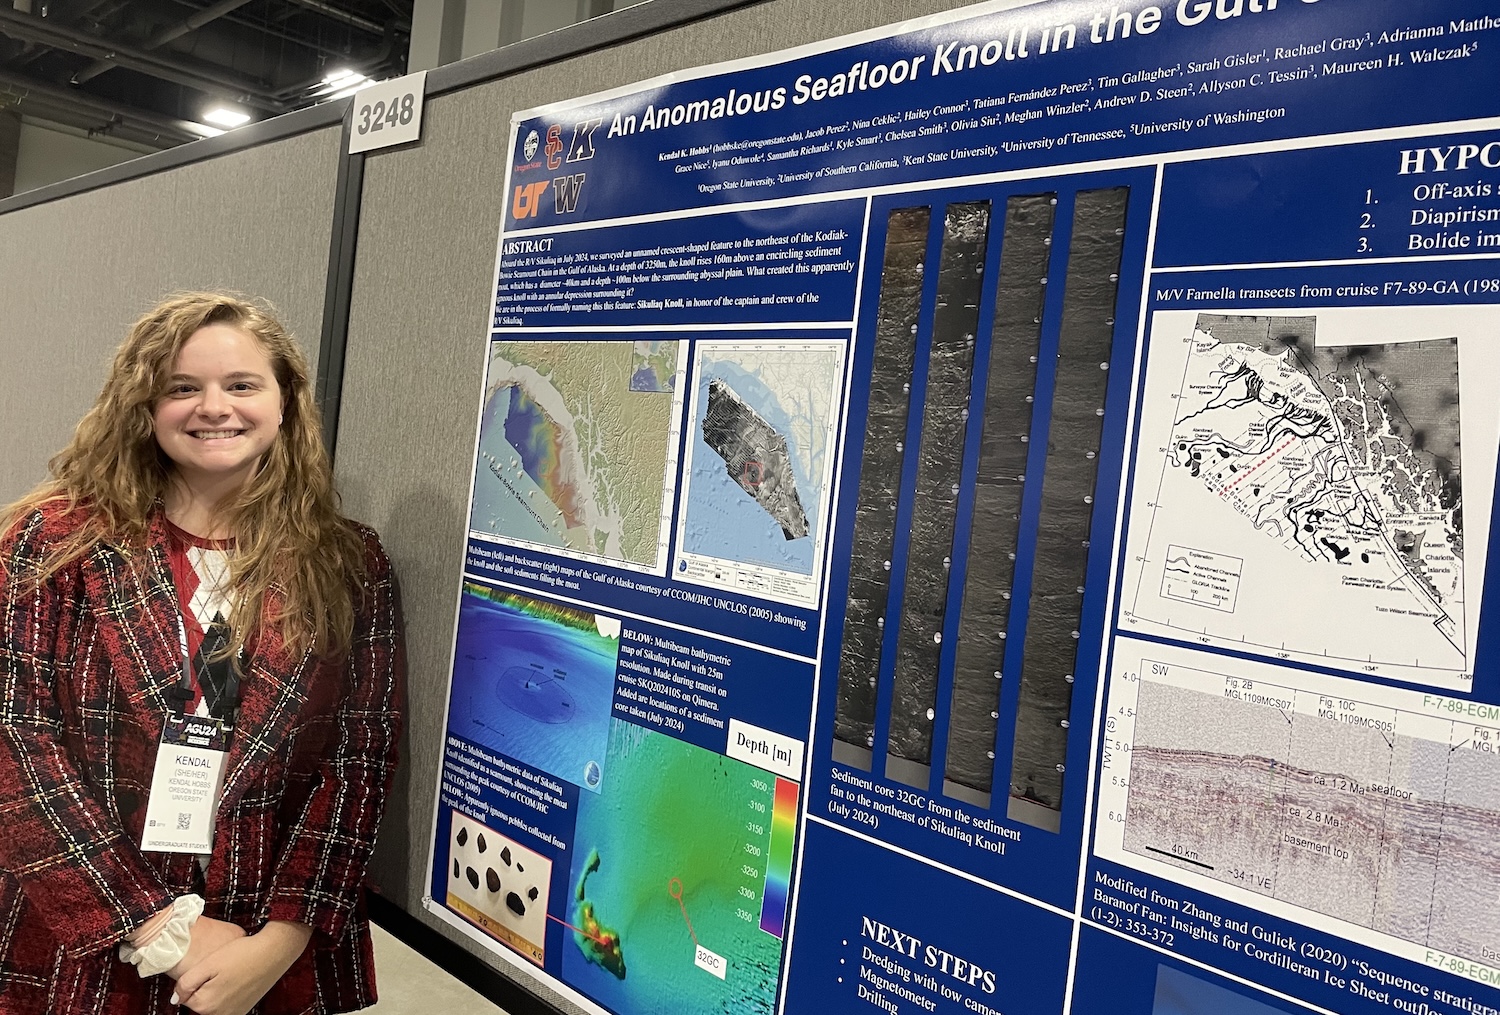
x=77, y=270
x=429, y=220
x=405, y=239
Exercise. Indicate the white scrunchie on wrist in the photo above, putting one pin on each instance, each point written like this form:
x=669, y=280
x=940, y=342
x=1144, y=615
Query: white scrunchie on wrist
x=168, y=947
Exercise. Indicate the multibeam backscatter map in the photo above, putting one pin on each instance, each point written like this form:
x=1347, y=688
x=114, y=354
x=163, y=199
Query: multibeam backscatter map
x=1308, y=499
x=754, y=456
x=764, y=417
x=577, y=444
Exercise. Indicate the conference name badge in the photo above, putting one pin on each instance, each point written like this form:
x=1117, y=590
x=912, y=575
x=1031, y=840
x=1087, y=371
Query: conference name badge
x=186, y=785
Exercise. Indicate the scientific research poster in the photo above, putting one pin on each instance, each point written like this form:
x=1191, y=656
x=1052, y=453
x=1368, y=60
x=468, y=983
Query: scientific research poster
x=991, y=515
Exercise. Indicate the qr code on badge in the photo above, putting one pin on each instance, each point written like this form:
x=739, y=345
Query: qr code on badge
x=184, y=820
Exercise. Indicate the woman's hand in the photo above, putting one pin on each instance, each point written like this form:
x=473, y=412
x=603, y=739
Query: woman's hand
x=233, y=979
x=206, y=937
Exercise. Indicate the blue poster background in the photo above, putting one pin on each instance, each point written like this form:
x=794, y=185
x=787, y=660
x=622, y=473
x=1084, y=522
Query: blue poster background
x=1325, y=154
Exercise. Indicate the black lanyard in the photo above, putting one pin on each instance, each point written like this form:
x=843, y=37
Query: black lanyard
x=226, y=709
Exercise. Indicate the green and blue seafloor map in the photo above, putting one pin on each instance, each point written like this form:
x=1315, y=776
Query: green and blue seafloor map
x=515, y=432
x=534, y=681
x=577, y=440
x=794, y=392
x=667, y=856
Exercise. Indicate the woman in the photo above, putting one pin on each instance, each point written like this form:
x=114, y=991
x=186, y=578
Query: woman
x=186, y=568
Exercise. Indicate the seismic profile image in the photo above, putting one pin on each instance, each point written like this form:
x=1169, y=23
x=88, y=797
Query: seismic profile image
x=660, y=866
x=534, y=681
x=1316, y=452
x=1377, y=816
x=760, y=440
x=1178, y=993
x=575, y=446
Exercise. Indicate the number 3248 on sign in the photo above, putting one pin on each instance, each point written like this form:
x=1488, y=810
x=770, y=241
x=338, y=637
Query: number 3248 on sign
x=388, y=113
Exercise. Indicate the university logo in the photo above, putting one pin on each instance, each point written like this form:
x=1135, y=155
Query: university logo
x=582, y=147
x=527, y=199
x=565, y=191
x=554, y=146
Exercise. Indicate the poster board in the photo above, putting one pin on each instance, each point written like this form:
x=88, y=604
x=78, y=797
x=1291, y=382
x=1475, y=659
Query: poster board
x=971, y=517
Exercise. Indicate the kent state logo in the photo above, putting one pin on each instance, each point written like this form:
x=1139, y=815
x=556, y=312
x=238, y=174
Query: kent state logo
x=526, y=201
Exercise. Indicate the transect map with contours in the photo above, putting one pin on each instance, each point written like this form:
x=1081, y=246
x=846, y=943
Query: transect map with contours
x=1304, y=481
x=1369, y=805
x=577, y=442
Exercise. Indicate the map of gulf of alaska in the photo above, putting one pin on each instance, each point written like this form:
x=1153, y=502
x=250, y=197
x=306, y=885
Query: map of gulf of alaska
x=576, y=442
x=1310, y=498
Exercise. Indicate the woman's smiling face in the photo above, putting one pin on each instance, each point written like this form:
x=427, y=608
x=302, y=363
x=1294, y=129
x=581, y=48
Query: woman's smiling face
x=221, y=410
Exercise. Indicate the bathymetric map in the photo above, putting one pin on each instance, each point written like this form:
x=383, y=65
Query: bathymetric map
x=578, y=446
x=1306, y=496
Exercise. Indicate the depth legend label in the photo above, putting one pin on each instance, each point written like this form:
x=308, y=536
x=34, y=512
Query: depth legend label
x=779, y=860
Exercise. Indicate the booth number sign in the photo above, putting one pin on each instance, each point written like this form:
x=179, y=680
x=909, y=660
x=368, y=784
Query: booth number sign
x=388, y=113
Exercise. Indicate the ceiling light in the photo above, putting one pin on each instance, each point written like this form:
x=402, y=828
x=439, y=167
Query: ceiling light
x=355, y=86
x=223, y=117
x=340, y=84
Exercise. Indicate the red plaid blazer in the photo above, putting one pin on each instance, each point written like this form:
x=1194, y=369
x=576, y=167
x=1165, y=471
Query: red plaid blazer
x=85, y=664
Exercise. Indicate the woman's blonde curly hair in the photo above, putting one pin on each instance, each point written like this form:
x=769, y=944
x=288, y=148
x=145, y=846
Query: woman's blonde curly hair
x=288, y=532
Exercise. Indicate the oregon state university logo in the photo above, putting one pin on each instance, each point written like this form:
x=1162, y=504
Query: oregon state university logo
x=530, y=147
x=526, y=199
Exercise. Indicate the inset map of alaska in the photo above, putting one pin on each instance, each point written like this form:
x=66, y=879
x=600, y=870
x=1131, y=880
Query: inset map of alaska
x=1310, y=499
